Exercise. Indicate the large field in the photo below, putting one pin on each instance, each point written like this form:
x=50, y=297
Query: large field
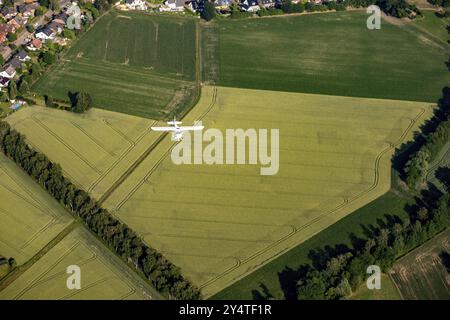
x=29, y=217
x=220, y=222
x=103, y=276
x=422, y=275
x=333, y=53
x=132, y=63
x=95, y=148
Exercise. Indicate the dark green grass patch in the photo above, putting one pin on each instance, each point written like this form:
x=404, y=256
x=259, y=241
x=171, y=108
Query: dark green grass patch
x=333, y=53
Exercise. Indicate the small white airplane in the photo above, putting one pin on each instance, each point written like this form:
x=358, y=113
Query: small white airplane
x=177, y=131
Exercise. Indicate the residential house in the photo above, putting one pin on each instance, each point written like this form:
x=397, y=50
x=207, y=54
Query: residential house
x=222, y=4
x=3, y=36
x=196, y=5
x=250, y=5
x=57, y=27
x=23, y=56
x=20, y=21
x=15, y=63
x=14, y=25
x=4, y=82
x=8, y=13
x=7, y=28
x=173, y=5
x=266, y=3
x=46, y=34
x=34, y=45
x=61, y=18
x=8, y=72
x=136, y=4
x=5, y=52
x=28, y=10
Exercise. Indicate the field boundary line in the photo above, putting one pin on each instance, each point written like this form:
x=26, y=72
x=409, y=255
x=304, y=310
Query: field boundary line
x=161, y=137
x=124, y=154
x=162, y=158
x=42, y=207
x=17, y=272
x=64, y=143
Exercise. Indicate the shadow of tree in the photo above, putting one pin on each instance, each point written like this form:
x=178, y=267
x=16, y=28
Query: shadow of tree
x=263, y=293
x=445, y=259
x=443, y=175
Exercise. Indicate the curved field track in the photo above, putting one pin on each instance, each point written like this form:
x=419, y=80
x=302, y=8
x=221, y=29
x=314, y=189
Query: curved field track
x=94, y=149
x=103, y=276
x=29, y=217
x=220, y=222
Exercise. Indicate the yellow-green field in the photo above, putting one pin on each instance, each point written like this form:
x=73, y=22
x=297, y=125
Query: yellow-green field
x=29, y=217
x=218, y=222
x=94, y=149
x=103, y=276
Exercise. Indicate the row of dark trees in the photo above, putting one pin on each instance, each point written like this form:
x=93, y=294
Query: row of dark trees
x=430, y=142
x=396, y=8
x=339, y=275
x=79, y=102
x=163, y=275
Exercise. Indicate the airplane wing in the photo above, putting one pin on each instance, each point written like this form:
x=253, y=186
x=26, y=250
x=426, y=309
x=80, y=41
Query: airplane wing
x=163, y=128
x=192, y=128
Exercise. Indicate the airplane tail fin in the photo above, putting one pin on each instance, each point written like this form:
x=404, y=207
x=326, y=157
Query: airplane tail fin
x=174, y=122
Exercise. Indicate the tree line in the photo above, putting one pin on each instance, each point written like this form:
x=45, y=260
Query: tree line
x=79, y=102
x=396, y=8
x=429, y=143
x=162, y=274
x=338, y=276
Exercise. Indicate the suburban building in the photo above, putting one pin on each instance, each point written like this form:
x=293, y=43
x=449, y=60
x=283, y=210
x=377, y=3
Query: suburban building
x=250, y=5
x=34, y=45
x=46, y=34
x=136, y=4
x=267, y=3
x=174, y=5
x=196, y=5
x=8, y=72
x=28, y=10
x=5, y=52
x=23, y=56
x=4, y=82
x=8, y=13
x=222, y=4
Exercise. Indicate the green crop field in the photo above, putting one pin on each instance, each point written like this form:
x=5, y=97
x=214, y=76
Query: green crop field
x=388, y=291
x=335, y=54
x=95, y=148
x=29, y=217
x=434, y=26
x=219, y=223
x=103, y=276
x=132, y=63
x=421, y=274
